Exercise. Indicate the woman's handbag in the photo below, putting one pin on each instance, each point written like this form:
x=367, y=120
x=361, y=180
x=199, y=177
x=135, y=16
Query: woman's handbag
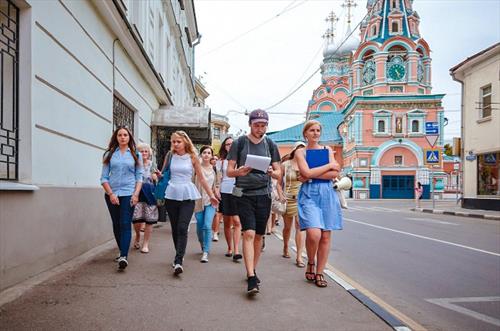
x=278, y=207
x=147, y=194
x=161, y=187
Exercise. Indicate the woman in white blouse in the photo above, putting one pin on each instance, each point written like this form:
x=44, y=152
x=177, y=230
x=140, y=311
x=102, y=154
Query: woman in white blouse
x=181, y=193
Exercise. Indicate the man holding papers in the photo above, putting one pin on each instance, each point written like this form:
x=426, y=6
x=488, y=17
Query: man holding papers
x=249, y=159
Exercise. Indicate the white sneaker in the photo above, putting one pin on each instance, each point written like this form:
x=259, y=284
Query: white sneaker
x=215, y=237
x=178, y=269
x=122, y=263
x=204, y=258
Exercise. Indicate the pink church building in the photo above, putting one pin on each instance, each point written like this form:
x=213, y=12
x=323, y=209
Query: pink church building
x=380, y=84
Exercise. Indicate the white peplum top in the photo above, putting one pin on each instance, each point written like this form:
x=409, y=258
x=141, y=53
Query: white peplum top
x=180, y=187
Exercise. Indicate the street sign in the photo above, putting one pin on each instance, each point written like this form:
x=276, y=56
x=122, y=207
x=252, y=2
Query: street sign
x=432, y=156
x=432, y=128
x=432, y=139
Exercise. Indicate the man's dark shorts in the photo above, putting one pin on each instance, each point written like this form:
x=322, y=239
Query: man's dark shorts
x=254, y=212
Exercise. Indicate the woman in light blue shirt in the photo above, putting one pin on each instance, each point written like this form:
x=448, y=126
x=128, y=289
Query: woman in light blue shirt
x=121, y=179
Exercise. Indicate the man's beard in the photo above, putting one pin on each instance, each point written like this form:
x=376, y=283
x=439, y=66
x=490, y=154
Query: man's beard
x=258, y=135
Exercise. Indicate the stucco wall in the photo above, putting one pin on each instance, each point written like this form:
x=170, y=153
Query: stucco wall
x=72, y=92
x=479, y=137
x=44, y=228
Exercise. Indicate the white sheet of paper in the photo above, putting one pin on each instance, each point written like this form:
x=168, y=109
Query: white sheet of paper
x=258, y=162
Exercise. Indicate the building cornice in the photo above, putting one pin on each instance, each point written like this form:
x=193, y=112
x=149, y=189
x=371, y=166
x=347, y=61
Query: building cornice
x=386, y=101
x=458, y=71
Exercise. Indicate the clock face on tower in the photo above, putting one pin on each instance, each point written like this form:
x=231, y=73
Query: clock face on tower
x=396, y=69
x=369, y=72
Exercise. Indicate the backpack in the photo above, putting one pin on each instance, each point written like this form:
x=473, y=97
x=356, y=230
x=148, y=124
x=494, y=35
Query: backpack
x=241, y=140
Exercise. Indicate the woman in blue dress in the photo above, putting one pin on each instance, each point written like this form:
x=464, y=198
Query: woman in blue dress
x=318, y=203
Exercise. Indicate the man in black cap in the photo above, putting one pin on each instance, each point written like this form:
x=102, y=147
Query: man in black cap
x=253, y=189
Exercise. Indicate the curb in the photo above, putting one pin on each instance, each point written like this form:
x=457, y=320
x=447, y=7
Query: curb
x=457, y=213
x=377, y=309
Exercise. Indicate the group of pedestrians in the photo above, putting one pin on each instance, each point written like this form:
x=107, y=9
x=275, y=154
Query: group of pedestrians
x=230, y=190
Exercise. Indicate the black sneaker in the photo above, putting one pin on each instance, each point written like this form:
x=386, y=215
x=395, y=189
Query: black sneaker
x=253, y=287
x=258, y=280
x=122, y=263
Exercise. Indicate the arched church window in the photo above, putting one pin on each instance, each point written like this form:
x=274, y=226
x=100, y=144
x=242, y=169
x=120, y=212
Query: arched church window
x=381, y=126
x=374, y=30
x=394, y=4
x=415, y=126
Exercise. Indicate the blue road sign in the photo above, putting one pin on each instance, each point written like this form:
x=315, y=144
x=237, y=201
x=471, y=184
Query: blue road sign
x=432, y=156
x=431, y=128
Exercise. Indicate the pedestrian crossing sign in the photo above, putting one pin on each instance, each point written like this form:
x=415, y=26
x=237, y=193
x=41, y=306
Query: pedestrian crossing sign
x=432, y=156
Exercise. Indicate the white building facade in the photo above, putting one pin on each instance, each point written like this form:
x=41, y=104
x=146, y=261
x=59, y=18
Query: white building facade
x=72, y=72
x=479, y=76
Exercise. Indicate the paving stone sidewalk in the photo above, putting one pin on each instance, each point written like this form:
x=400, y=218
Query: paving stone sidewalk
x=212, y=296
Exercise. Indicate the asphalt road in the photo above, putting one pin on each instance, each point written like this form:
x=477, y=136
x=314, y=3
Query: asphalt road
x=441, y=271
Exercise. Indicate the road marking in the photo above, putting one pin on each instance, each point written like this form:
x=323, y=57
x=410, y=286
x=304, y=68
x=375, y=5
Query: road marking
x=353, y=208
x=430, y=220
x=349, y=285
x=423, y=237
x=381, y=209
x=447, y=303
x=386, y=209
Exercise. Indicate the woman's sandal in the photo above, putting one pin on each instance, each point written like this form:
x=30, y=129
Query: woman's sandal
x=300, y=264
x=310, y=276
x=320, y=281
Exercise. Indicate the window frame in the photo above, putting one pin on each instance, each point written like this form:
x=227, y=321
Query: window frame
x=482, y=96
x=10, y=134
x=402, y=160
x=413, y=121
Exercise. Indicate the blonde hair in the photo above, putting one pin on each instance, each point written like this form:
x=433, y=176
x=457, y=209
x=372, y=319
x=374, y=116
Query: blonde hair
x=145, y=146
x=308, y=125
x=188, y=144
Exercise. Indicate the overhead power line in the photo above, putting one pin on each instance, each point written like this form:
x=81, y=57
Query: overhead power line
x=316, y=71
x=288, y=8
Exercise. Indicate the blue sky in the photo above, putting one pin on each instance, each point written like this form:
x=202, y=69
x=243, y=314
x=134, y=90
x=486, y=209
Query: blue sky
x=257, y=69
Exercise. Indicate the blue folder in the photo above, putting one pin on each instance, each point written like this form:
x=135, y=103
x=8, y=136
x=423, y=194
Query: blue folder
x=316, y=158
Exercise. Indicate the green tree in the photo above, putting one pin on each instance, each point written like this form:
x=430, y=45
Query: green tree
x=448, y=150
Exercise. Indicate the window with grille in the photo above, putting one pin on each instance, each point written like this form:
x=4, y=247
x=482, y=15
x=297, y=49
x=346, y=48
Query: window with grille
x=123, y=115
x=9, y=110
x=485, y=101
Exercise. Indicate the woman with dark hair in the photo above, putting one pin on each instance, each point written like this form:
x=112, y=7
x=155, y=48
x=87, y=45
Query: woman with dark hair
x=204, y=211
x=228, y=206
x=121, y=179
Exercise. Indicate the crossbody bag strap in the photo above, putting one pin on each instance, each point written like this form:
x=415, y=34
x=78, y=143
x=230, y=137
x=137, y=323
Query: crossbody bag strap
x=166, y=163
